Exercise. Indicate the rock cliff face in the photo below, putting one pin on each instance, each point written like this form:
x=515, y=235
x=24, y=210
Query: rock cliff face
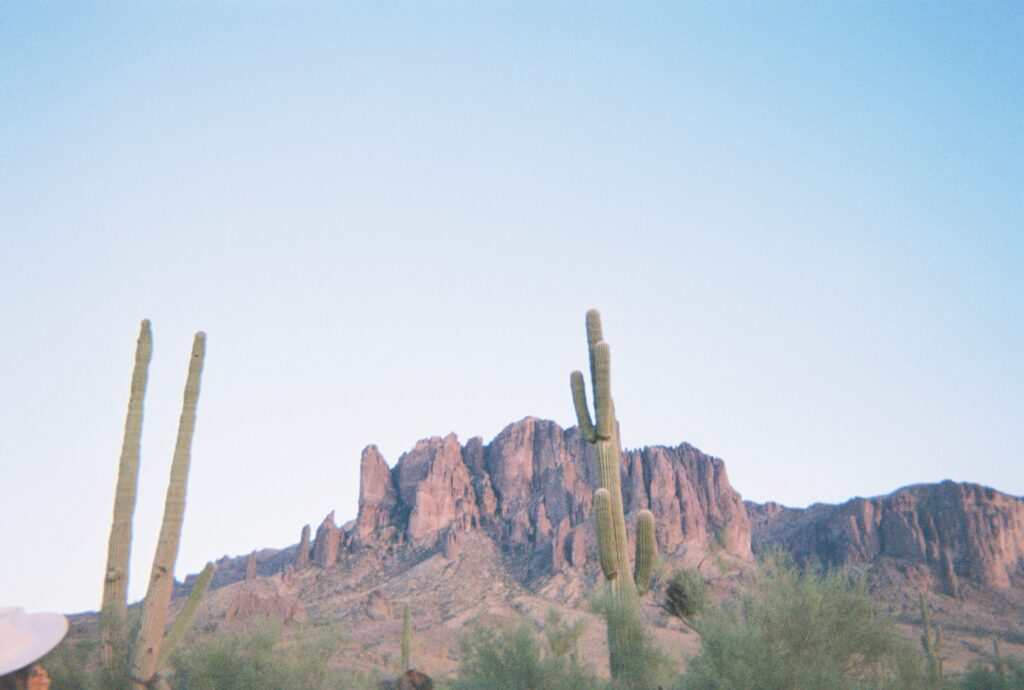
x=951, y=532
x=531, y=489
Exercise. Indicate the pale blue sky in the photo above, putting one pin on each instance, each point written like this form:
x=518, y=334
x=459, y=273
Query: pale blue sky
x=802, y=223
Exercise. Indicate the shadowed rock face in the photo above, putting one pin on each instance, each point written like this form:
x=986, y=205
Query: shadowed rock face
x=532, y=487
x=958, y=531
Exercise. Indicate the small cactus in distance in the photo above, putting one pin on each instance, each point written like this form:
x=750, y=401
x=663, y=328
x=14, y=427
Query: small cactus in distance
x=998, y=663
x=406, y=638
x=931, y=642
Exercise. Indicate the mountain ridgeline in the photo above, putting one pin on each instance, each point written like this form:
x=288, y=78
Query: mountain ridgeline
x=530, y=490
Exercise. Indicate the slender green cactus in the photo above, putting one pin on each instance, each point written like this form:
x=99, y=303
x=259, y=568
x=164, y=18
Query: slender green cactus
x=148, y=652
x=624, y=583
x=998, y=663
x=931, y=641
x=181, y=624
x=626, y=639
x=115, y=584
x=406, y=638
x=646, y=551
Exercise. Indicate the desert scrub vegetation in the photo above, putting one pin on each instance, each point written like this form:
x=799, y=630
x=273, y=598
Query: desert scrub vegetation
x=509, y=657
x=77, y=664
x=1001, y=674
x=261, y=656
x=801, y=630
x=686, y=594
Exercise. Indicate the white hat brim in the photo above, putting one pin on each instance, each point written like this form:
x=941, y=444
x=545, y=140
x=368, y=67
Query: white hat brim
x=45, y=631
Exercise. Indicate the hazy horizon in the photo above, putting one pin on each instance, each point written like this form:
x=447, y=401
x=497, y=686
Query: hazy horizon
x=801, y=223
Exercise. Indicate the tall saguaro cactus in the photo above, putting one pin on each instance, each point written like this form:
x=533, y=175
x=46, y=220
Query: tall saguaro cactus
x=149, y=655
x=625, y=584
x=115, y=584
x=161, y=581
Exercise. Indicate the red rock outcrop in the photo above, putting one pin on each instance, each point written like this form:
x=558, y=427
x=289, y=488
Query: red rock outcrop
x=377, y=495
x=957, y=531
x=435, y=482
x=248, y=605
x=532, y=488
x=328, y=538
x=302, y=553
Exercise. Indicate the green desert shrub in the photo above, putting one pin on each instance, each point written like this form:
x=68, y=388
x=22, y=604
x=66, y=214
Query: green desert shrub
x=1007, y=675
x=801, y=630
x=562, y=637
x=258, y=656
x=686, y=594
x=77, y=664
x=509, y=657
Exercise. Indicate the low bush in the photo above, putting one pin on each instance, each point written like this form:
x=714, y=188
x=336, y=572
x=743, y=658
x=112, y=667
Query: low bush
x=509, y=657
x=801, y=631
x=1008, y=674
x=686, y=594
x=259, y=657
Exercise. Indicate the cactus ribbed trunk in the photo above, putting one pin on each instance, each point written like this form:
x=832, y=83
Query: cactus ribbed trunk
x=406, y=639
x=115, y=583
x=608, y=475
x=158, y=597
x=181, y=624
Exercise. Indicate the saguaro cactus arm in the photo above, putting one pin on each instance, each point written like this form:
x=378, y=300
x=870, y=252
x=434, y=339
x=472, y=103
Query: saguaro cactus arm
x=646, y=551
x=603, y=392
x=181, y=624
x=115, y=582
x=158, y=597
x=579, y=399
x=605, y=534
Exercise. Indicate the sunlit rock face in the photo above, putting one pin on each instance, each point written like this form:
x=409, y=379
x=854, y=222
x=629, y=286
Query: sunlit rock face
x=949, y=532
x=531, y=488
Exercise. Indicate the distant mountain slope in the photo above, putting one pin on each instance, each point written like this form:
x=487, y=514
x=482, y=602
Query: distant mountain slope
x=946, y=533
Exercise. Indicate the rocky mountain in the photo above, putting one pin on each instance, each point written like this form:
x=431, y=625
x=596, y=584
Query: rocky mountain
x=940, y=535
x=464, y=531
x=530, y=490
